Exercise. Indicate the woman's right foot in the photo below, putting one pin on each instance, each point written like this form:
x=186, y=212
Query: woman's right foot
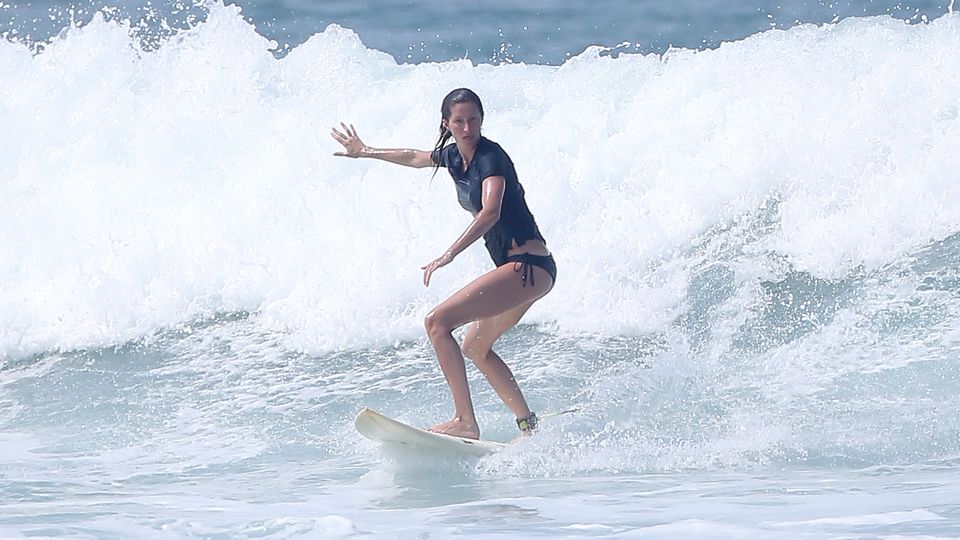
x=458, y=428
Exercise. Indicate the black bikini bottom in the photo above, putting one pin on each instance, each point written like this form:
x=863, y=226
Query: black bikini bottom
x=523, y=261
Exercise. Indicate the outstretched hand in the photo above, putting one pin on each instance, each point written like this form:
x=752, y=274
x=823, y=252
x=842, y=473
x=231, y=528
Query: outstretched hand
x=351, y=142
x=443, y=260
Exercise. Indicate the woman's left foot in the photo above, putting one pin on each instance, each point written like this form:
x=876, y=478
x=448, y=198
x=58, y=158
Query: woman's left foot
x=458, y=428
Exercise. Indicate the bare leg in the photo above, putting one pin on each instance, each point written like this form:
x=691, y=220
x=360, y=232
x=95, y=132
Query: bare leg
x=491, y=294
x=477, y=346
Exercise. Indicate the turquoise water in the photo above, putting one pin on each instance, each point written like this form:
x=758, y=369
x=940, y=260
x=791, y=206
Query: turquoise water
x=756, y=312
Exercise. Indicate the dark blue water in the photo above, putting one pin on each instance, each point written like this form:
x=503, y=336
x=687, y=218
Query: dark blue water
x=498, y=31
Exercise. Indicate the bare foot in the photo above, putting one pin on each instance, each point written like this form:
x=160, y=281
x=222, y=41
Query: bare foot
x=459, y=428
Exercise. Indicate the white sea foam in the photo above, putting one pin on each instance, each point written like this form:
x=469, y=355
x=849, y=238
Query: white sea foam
x=144, y=189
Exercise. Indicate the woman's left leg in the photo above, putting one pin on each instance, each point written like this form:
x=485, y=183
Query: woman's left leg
x=489, y=295
x=478, y=347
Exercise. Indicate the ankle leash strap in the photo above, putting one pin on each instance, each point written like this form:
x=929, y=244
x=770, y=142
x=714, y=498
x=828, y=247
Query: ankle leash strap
x=528, y=424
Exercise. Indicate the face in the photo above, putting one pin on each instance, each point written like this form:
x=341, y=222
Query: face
x=464, y=123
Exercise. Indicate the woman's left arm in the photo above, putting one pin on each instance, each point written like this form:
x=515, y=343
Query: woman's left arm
x=487, y=217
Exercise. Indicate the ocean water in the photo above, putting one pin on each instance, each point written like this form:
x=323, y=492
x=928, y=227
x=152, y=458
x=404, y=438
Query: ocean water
x=755, y=214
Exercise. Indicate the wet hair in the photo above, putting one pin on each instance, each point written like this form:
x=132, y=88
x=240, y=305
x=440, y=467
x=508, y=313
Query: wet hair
x=460, y=95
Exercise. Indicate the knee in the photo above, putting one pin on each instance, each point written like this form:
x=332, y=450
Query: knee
x=435, y=324
x=474, y=351
x=478, y=353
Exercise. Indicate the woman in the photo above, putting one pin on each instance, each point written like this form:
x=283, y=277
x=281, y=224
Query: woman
x=487, y=186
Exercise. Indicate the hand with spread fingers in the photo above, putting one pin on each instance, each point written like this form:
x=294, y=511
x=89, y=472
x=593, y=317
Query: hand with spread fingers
x=351, y=142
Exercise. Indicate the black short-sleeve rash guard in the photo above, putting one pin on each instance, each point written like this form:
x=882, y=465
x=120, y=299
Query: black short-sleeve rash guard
x=516, y=223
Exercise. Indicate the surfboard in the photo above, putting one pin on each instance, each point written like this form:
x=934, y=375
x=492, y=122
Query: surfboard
x=383, y=429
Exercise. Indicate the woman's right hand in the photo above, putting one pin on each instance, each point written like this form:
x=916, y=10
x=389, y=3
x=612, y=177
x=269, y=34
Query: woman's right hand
x=351, y=142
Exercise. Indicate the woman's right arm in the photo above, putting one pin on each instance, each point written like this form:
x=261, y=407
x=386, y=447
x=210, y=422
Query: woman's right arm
x=354, y=148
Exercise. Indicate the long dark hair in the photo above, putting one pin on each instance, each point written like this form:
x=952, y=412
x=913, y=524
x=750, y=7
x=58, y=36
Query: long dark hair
x=460, y=95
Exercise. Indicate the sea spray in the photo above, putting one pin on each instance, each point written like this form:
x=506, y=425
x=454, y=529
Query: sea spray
x=150, y=188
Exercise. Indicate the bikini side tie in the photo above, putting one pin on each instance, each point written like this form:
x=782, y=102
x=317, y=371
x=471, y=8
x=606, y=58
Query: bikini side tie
x=525, y=268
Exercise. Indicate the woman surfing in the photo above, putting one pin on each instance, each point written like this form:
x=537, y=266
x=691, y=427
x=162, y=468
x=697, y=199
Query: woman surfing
x=487, y=187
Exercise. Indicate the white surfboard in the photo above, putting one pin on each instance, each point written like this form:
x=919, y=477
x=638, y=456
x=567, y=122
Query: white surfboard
x=384, y=429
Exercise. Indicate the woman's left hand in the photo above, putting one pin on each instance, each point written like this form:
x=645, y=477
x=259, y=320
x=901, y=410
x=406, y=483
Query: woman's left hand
x=442, y=260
